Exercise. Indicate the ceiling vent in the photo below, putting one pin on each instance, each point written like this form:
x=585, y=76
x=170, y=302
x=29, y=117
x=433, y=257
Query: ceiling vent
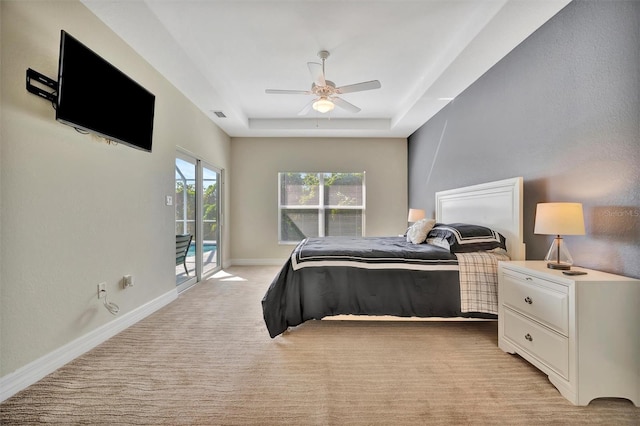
x=219, y=114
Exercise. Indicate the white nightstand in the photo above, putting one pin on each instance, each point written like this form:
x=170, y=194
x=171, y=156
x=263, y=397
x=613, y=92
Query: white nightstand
x=583, y=331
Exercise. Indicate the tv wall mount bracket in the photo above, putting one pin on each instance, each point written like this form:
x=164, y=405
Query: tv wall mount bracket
x=33, y=75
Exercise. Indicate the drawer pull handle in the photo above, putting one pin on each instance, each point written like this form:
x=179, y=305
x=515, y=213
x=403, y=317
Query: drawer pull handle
x=528, y=300
x=529, y=279
x=528, y=337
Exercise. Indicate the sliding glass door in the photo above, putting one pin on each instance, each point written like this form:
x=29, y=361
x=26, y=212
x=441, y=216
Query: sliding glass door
x=185, y=201
x=210, y=219
x=198, y=206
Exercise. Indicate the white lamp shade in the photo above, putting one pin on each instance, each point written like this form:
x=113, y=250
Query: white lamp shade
x=323, y=105
x=559, y=219
x=415, y=215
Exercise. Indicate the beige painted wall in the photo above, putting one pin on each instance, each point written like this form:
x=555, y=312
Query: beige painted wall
x=74, y=210
x=254, y=171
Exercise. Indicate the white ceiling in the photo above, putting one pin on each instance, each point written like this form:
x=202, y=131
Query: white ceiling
x=223, y=55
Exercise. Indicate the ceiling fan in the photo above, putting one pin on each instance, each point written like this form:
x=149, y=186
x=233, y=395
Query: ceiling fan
x=325, y=90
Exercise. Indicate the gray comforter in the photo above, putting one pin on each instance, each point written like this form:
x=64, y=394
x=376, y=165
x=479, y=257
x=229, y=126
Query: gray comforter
x=363, y=276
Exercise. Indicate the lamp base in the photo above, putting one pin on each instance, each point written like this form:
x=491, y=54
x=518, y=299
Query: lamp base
x=560, y=266
x=558, y=256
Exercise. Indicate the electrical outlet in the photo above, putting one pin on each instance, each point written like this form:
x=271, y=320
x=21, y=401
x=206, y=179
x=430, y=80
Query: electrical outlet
x=102, y=290
x=127, y=281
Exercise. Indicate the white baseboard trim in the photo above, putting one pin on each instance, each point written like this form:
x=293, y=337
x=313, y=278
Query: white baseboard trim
x=25, y=376
x=258, y=262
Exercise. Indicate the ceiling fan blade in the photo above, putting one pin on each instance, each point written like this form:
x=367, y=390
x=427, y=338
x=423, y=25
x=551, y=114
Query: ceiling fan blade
x=307, y=108
x=345, y=105
x=287, y=92
x=317, y=75
x=359, y=87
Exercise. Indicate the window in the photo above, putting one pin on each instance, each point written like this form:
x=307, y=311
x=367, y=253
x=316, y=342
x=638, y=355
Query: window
x=320, y=204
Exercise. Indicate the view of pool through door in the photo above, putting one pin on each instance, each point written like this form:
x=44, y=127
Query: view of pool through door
x=198, y=206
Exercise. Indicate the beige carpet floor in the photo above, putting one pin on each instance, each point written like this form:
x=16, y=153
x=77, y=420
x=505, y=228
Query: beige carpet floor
x=207, y=359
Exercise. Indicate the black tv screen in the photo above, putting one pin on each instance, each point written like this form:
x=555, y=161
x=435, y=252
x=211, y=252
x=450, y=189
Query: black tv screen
x=95, y=96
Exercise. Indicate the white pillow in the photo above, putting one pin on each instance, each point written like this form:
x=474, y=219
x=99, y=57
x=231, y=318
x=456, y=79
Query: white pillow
x=417, y=233
x=439, y=242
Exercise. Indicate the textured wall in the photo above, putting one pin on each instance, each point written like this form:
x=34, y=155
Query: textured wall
x=76, y=211
x=563, y=111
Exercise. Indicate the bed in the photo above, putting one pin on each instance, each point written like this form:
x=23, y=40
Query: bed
x=382, y=276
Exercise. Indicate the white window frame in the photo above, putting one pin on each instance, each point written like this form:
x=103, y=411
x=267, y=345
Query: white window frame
x=320, y=207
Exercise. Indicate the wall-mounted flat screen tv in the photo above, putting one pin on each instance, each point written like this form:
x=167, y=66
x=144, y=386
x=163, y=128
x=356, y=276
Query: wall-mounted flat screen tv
x=96, y=97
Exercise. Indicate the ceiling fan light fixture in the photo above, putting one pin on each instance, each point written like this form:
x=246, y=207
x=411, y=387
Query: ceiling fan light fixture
x=323, y=105
x=325, y=91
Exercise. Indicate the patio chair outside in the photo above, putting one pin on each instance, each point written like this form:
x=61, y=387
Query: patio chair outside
x=183, y=241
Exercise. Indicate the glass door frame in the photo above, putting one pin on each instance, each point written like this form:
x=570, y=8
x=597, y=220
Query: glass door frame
x=198, y=240
x=202, y=164
x=192, y=161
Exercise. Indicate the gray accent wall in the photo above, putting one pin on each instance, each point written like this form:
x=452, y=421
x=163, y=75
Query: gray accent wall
x=563, y=111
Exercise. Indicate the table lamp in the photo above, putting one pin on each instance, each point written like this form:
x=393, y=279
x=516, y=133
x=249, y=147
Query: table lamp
x=415, y=215
x=559, y=219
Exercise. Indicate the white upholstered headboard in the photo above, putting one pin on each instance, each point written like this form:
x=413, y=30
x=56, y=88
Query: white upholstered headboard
x=497, y=205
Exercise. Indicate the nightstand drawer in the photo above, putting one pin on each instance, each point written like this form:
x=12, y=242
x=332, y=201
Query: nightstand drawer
x=547, y=346
x=582, y=331
x=541, y=300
